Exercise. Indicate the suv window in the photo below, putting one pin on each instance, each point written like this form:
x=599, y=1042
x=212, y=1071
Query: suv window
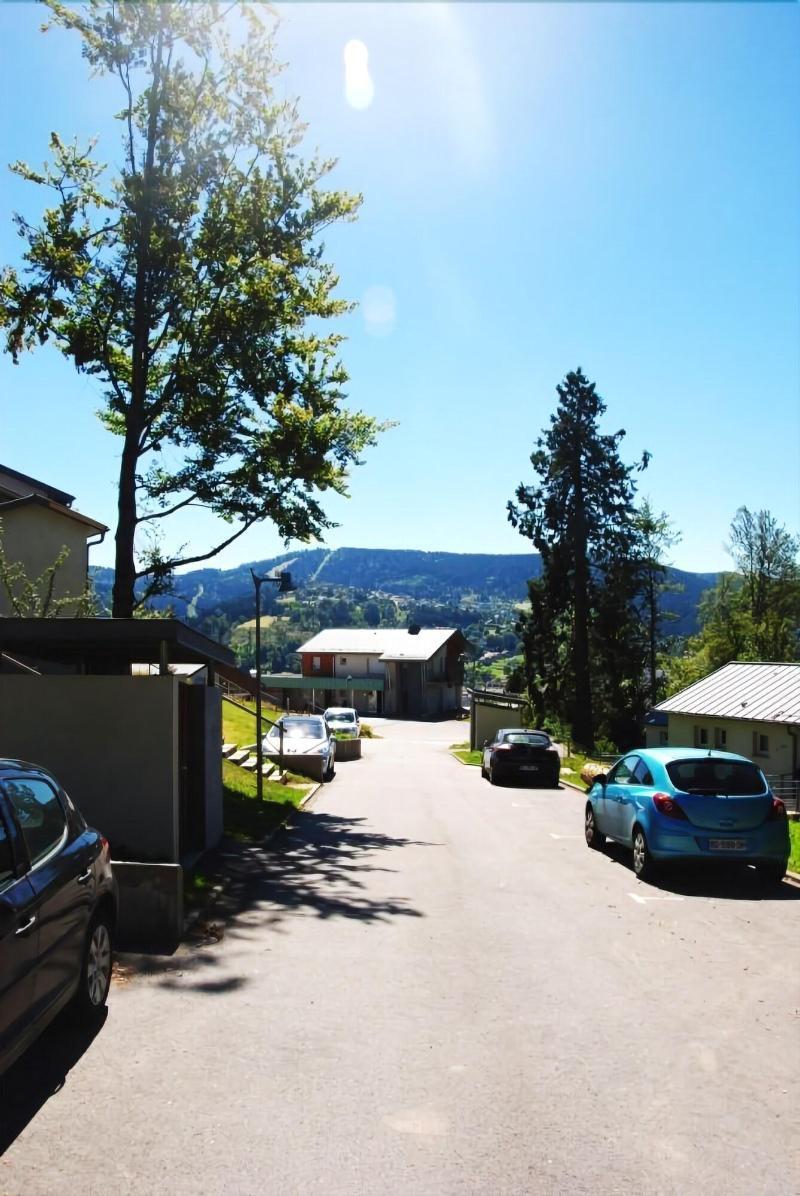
x=6, y=858
x=39, y=813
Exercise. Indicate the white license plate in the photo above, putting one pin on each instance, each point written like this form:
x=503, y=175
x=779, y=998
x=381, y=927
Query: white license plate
x=529, y=767
x=727, y=844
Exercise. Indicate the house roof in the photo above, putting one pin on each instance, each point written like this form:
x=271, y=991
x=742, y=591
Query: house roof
x=40, y=500
x=388, y=643
x=19, y=485
x=755, y=692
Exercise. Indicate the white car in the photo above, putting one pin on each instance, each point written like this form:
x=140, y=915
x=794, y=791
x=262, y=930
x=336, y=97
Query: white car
x=303, y=735
x=343, y=720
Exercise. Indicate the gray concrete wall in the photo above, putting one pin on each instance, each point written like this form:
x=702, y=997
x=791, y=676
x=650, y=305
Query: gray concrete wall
x=488, y=719
x=113, y=744
x=150, y=906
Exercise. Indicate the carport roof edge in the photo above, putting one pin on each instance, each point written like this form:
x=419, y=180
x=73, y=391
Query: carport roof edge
x=136, y=640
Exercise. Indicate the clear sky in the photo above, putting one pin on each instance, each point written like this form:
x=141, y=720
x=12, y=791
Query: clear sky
x=545, y=186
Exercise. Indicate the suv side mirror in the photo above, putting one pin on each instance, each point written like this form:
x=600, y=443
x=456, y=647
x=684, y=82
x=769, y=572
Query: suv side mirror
x=600, y=779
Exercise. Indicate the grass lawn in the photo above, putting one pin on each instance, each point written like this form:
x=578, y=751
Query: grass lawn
x=461, y=752
x=575, y=762
x=244, y=816
x=794, y=838
x=239, y=725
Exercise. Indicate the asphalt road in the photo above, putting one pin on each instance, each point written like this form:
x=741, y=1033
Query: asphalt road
x=430, y=986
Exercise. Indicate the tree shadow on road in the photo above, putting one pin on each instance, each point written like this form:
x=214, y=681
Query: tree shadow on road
x=319, y=866
x=42, y=1072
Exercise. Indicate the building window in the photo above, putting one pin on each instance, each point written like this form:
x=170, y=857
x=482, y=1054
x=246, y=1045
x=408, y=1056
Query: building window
x=342, y=660
x=701, y=737
x=760, y=744
x=316, y=664
x=721, y=738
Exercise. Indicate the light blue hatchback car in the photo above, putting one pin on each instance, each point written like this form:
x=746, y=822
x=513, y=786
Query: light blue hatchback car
x=685, y=803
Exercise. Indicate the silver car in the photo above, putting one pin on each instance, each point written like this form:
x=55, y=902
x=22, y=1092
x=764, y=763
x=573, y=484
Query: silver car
x=303, y=735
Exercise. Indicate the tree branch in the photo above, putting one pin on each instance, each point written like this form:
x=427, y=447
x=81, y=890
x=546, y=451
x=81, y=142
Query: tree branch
x=168, y=566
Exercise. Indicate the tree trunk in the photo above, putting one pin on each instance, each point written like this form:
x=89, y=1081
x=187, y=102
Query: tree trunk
x=127, y=513
x=124, y=567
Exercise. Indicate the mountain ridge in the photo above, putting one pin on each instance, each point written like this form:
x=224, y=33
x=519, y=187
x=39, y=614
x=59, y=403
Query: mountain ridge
x=414, y=574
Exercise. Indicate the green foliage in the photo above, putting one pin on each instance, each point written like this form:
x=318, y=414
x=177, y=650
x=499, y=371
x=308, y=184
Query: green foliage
x=584, y=652
x=794, y=840
x=192, y=285
x=655, y=536
x=752, y=614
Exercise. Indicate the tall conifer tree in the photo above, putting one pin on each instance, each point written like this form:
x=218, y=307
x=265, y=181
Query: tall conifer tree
x=580, y=516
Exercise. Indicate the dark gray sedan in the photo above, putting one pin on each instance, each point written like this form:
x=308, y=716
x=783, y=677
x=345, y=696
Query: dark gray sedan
x=58, y=908
x=519, y=754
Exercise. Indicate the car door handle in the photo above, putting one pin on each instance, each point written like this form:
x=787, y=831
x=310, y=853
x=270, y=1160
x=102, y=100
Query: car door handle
x=85, y=877
x=29, y=925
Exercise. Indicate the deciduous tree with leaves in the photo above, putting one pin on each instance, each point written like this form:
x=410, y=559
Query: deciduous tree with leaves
x=191, y=282
x=753, y=613
x=580, y=516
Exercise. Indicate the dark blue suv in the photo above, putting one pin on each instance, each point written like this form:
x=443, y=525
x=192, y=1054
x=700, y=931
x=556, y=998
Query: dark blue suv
x=58, y=908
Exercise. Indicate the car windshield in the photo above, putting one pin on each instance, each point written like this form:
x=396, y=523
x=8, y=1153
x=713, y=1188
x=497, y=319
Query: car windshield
x=532, y=738
x=731, y=778
x=300, y=728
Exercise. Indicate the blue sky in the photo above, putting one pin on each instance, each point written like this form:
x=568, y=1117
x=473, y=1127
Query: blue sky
x=545, y=186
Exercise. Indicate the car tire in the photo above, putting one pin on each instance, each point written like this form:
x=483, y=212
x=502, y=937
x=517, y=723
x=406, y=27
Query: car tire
x=770, y=872
x=644, y=866
x=594, y=836
x=327, y=776
x=484, y=773
x=96, y=964
x=492, y=778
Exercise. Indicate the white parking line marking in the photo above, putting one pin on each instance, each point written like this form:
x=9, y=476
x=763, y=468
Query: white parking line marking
x=661, y=897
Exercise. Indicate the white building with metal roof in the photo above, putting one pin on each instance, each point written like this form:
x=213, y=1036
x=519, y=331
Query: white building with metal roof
x=752, y=708
x=416, y=671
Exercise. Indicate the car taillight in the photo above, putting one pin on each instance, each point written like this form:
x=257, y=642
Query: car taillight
x=667, y=806
x=778, y=810
x=502, y=747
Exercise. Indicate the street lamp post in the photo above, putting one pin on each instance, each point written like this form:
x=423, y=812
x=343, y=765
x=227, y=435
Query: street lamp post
x=283, y=581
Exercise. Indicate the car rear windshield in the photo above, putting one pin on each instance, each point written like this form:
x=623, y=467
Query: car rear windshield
x=344, y=717
x=528, y=737
x=731, y=778
x=301, y=728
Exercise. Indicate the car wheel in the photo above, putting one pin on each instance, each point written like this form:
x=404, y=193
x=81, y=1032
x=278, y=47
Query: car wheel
x=328, y=773
x=771, y=872
x=492, y=778
x=95, y=979
x=643, y=863
x=594, y=837
x=484, y=773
